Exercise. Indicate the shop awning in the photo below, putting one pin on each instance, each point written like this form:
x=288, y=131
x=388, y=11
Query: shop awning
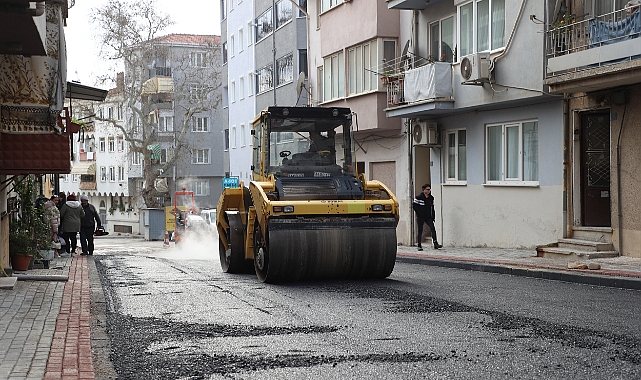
x=82, y=92
x=86, y=167
x=158, y=85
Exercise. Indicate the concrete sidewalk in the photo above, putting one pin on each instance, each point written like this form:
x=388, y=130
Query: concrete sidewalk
x=618, y=272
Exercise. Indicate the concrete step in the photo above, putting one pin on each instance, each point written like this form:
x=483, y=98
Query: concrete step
x=572, y=254
x=585, y=245
x=602, y=234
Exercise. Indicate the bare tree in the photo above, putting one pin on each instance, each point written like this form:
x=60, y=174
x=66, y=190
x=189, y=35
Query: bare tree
x=189, y=83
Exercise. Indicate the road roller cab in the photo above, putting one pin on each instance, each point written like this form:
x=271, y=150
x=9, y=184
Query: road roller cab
x=307, y=214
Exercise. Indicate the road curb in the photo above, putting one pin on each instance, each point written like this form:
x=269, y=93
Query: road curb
x=524, y=270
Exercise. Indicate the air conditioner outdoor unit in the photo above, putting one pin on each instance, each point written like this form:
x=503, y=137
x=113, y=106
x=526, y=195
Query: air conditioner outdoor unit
x=425, y=133
x=475, y=67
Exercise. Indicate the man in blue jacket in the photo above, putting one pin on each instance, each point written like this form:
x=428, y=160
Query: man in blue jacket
x=423, y=206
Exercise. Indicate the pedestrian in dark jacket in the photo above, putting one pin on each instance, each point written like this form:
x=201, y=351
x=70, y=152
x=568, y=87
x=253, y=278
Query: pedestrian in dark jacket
x=70, y=214
x=423, y=205
x=88, y=227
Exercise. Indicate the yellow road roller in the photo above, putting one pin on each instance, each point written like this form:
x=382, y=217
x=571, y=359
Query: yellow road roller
x=307, y=214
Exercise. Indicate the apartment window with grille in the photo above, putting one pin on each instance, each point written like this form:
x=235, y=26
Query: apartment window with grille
x=265, y=78
x=201, y=187
x=481, y=26
x=200, y=124
x=200, y=156
x=361, y=62
x=264, y=25
x=111, y=143
x=112, y=174
x=121, y=174
x=456, y=156
x=285, y=67
x=101, y=144
x=512, y=153
x=442, y=36
x=283, y=12
x=334, y=77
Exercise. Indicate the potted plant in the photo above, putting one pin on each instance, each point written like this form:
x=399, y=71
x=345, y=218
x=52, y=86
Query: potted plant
x=28, y=232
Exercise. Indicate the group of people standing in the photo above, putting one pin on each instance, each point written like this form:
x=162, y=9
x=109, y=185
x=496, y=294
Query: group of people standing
x=67, y=217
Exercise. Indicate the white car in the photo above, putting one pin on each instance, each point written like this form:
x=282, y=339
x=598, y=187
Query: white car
x=209, y=215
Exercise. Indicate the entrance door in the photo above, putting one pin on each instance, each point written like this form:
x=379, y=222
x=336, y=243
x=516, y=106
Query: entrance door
x=595, y=169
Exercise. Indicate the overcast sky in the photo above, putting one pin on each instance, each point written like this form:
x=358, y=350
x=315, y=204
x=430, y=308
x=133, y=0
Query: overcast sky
x=84, y=63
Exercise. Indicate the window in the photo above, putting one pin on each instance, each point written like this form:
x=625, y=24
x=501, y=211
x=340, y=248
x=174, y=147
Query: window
x=512, y=152
x=264, y=78
x=111, y=143
x=226, y=139
x=264, y=25
x=65, y=177
x=241, y=87
x=231, y=5
x=242, y=135
x=75, y=178
x=101, y=144
x=319, y=76
x=232, y=46
x=200, y=156
x=110, y=113
x=197, y=59
x=163, y=155
x=302, y=61
x=327, y=4
x=201, y=187
x=602, y=7
x=481, y=26
x=283, y=12
x=361, y=59
x=250, y=81
x=250, y=28
x=200, y=124
x=136, y=158
x=233, y=137
x=121, y=174
x=285, y=69
x=456, y=155
x=232, y=92
x=442, y=35
x=165, y=124
x=198, y=91
x=112, y=174
x=224, y=52
x=120, y=143
x=334, y=77
x=241, y=40
x=119, y=112
x=302, y=4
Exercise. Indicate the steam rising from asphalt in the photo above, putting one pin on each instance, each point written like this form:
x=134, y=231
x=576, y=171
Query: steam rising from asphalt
x=195, y=246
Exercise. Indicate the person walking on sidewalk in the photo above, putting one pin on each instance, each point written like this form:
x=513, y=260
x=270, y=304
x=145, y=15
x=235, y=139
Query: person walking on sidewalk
x=52, y=217
x=423, y=206
x=87, y=225
x=70, y=214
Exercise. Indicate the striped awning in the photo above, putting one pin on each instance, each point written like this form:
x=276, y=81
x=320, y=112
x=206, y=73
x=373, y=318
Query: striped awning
x=84, y=168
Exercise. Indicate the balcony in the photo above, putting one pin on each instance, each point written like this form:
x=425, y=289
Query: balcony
x=593, y=54
x=87, y=156
x=411, y=4
x=88, y=185
x=416, y=85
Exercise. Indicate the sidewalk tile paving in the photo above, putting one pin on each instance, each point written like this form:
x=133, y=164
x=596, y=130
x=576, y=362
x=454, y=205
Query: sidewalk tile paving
x=45, y=328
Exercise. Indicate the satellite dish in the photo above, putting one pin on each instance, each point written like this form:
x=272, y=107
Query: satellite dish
x=300, y=83
x=466, y=68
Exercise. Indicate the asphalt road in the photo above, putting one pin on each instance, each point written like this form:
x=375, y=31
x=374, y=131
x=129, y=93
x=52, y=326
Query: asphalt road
x=172, y=314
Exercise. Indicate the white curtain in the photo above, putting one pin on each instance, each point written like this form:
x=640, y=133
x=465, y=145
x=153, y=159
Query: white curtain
x=498, y=24
x=512, y=151
x=530, y=151
x=483, y=25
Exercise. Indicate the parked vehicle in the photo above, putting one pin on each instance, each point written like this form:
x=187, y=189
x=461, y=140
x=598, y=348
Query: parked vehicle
x=209, y=215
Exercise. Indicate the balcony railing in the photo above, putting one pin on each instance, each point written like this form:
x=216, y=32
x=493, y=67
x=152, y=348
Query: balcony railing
x=572, y=46
x=87, y=185
x=411, y=79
